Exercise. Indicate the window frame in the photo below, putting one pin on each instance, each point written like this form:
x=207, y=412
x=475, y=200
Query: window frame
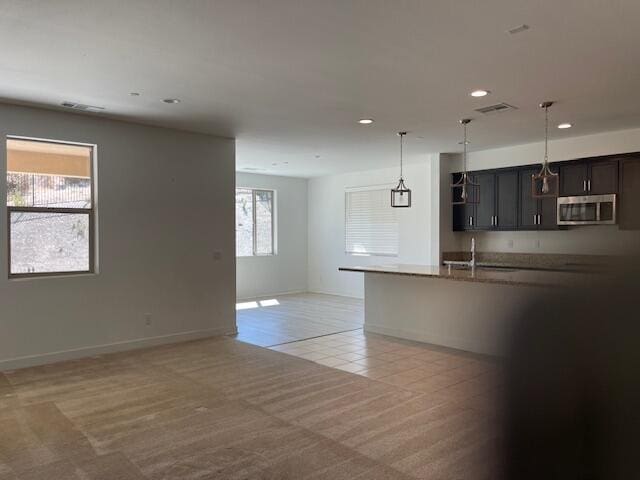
x=254, y=212
x=91, y=212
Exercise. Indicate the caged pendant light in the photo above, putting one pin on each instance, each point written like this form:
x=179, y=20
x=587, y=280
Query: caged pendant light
x=401, y=195
x=545, y=183
x=464, y=190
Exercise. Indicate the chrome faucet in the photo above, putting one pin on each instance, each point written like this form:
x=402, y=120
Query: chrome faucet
x=472, y=263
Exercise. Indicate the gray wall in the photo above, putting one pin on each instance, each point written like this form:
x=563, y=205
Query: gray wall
x=286, y=271
x=165, y=206
x=327, y=226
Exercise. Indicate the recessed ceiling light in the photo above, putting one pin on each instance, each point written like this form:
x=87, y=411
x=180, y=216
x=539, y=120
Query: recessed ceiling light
x=171, y=100
x=479, y=93
x=134, y=94
x=565, y=125
x=365, y=121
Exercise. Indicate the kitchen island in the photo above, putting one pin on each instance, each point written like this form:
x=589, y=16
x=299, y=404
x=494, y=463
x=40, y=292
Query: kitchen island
x=467, y=309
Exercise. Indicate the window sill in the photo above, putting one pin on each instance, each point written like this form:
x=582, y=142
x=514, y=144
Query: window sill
x=45, y=276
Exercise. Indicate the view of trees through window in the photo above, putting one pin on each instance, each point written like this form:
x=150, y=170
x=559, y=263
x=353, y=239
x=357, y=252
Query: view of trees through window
x=254, y=222
x=50, y=207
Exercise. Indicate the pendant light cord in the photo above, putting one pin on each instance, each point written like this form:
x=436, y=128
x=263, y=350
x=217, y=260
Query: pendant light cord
x=546, y=135
x=464, y=141
x=401, y=135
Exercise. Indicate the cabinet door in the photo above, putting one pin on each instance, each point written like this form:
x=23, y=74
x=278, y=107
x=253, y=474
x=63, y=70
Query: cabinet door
x=604, y=177
x=528, y=204
x=507, y=200
x=548, y=214
x=463, y=215
x=457, y=210
x=458, y=218
x=629, y=204
x=573, y=179
x=486, y=206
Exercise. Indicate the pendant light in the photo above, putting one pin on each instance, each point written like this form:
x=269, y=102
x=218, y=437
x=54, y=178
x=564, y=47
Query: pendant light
x=401, y=195
x=464, y=190
x=544, y=184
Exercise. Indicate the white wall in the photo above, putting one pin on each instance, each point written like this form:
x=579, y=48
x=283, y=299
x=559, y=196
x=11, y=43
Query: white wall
x=604, y=240
x=286, y=271
x=165, y=206
x=327, y=228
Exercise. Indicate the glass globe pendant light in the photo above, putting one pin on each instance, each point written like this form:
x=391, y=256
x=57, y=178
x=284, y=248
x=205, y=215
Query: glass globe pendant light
x=464, y=190
x=544, y=184
x=401, y=195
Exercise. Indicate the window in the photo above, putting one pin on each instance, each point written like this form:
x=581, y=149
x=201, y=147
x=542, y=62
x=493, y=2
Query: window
x=254, y=222
x=371, y=225
x=50, y=207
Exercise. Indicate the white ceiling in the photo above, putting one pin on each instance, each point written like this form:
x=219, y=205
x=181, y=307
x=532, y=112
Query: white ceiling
x=290, y=78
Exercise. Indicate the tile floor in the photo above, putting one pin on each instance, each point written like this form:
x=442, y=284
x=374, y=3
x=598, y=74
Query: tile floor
x=292, y=317
x=412, y=366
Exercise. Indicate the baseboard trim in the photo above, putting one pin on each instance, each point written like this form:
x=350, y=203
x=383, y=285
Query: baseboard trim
x=291, y=292
x=336, y=294
x=439, y=340
x=60, y=356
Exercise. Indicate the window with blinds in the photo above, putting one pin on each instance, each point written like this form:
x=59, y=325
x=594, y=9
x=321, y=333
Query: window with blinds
x=371, y=225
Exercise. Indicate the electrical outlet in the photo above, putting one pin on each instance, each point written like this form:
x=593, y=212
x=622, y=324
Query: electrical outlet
x=147, y=319
x=510, y=243
x=537, y=243
x=217, y=255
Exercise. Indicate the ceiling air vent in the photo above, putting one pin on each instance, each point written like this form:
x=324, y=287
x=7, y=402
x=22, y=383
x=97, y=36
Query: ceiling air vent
x=497, y=108
x=82, y=107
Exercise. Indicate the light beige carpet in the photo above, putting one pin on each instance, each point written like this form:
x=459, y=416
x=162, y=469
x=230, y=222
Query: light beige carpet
x=223, y=409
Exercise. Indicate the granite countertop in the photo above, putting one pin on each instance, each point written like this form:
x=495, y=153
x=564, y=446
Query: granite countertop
x=538, y=278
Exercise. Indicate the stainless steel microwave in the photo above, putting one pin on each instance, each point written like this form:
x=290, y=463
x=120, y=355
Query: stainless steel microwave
x=587, y=210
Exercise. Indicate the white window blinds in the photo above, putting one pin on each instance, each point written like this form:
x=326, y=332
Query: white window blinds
x=371, y=224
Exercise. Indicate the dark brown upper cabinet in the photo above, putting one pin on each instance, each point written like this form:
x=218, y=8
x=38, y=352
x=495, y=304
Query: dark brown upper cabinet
x=629, y=205
x=506, y=216
x=503, y=201
x=464, y=216
x=603, y=177
x=535, y=213
x=486, y=206
x=589, y=177
x=495, y=204
x=573, y=179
